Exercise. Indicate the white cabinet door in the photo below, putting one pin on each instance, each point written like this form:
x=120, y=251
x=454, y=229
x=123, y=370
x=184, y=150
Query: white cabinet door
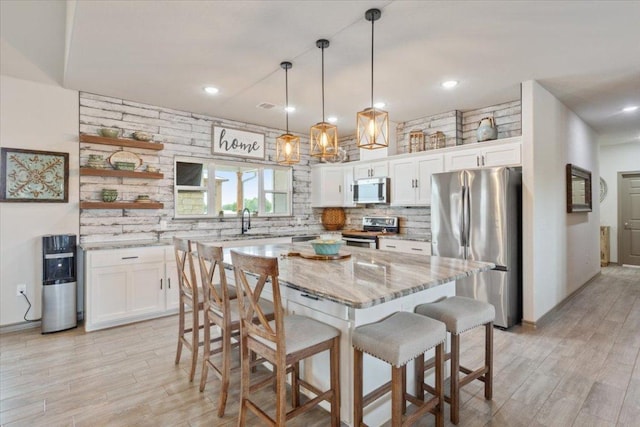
x=425, y=167
x=171, y=287
x=107, y=296
x=411, y=179
x=371, y=169
x=502, y=155
x=145, y=289
x=327, y=184
x=464, y=159
x=403, y=182
x=347, y=172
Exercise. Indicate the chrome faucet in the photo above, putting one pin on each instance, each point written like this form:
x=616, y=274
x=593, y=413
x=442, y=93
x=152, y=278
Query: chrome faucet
x=247, y=227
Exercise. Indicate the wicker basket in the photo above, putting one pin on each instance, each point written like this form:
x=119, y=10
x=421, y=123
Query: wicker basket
x=333, y=218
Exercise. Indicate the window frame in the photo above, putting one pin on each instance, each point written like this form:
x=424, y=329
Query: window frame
x=211, y=165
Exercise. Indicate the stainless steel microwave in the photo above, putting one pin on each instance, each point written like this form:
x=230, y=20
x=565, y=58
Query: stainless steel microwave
x=371, y=190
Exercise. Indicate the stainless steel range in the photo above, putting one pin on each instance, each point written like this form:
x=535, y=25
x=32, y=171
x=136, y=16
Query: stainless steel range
x=372, y=227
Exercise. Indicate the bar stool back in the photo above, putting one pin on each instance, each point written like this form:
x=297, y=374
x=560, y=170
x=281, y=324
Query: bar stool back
x=219, y=310
x=461, y=314
x=283, y=342
x=190, y=298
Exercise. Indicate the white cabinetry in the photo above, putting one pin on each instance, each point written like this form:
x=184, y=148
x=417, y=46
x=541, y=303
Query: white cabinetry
x=331, y=186
x=406, y=246
x=124, y=285
x=371, y=169
x=411, y=179
x=506, y=152
x=172, y=287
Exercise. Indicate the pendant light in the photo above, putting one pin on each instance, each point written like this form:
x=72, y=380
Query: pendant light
x=372, y=123
x=287, y=145
x=324, y=136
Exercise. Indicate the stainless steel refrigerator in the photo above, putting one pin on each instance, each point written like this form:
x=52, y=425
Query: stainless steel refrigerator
x=476, y=215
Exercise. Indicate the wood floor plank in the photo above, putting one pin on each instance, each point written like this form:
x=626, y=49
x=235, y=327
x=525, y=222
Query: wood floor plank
x=581, y=367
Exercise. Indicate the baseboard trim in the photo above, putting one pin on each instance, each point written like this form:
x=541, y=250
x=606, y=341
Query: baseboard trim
x=22, y=326
x=529, y=325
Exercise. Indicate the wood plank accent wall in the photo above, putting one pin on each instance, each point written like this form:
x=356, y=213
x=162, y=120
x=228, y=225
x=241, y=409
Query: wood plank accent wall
x=183, y=134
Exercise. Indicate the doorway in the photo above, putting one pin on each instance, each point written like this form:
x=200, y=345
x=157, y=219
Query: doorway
x=629, y=218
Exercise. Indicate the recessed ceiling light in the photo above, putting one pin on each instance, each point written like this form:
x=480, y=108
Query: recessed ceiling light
x=332, y=119
x=211, y=90
x=379, y=105
x=290, y=109
x=630, y=108
x=449, y=84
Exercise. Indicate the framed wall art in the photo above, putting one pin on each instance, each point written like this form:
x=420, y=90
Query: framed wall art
x=578, y=189
x=238, y=143
x=34, y=176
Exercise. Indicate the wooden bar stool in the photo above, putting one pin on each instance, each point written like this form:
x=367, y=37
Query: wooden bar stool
x=221, y=312
x=283, y=342
x=461, y=314
x=397, y=340
x=190, y=298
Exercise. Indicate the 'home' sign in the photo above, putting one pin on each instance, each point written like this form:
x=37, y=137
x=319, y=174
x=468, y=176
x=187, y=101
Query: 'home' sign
x=239, y=143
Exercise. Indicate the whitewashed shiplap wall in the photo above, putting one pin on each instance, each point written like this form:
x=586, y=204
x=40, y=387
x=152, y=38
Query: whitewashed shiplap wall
x=189, y=134
x=183, y=134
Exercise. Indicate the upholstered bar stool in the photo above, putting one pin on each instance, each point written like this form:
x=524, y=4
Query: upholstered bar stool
x=397, y=340
x=461, y=314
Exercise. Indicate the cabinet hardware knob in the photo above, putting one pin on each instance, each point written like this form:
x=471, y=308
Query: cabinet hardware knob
x=129, y=257
x=160, y=284
x=310, y=297
x=169, y=282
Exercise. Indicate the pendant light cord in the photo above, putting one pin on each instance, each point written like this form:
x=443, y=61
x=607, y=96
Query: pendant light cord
x=372, y=21
x=323, y=84
x=286, y=91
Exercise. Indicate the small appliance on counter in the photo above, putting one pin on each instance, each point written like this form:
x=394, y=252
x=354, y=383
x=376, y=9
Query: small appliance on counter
x=372, y=227
x=58, y=283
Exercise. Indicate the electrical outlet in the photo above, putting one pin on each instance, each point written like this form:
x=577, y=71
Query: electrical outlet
x=21, y=289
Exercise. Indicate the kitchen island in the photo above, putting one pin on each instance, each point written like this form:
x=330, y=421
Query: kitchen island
x=366, y=287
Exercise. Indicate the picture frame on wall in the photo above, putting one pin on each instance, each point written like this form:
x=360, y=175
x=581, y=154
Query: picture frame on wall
x=34, y=176
x=228, y=141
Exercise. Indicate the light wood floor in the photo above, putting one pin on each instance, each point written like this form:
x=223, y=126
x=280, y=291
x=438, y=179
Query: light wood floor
x=581, y=368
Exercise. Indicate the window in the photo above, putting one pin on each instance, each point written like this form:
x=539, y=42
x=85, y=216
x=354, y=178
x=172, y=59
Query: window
x=209, y=188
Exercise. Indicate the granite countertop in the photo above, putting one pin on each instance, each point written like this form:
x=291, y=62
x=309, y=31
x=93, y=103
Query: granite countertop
x=124, y=244
x=368, y=277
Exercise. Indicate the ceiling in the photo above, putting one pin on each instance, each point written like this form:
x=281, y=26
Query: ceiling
x=164, y=52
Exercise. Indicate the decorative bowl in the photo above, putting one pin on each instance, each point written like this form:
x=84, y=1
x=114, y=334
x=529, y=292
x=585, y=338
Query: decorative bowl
x=125, y=166
x=109, y=132
x=109, y=195
x=142, y=136
x=326, y=247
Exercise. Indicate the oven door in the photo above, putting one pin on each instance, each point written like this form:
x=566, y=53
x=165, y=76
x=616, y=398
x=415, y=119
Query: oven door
x=360, y=242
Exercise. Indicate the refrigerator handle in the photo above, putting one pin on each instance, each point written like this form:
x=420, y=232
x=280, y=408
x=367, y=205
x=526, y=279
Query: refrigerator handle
x=463, y=210
x=467, y=217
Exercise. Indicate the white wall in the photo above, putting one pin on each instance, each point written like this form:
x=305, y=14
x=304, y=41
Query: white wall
x=560, y=250
x=614, y=159
x=39, y=117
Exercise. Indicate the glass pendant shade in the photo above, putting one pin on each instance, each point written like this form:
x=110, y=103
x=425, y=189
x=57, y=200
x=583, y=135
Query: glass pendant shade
x=287, y=145
x=288, y=149
x=373, y=129
x=324, y=140
x=323, y=136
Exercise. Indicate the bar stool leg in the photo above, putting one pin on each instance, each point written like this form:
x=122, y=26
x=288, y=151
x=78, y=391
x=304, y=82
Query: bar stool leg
x=488, y=357
x=195, y=340
x=439, y=384
x=357, y=387
x=397, y=396
x=419, y=376
x=455, y=379
x=334, y=355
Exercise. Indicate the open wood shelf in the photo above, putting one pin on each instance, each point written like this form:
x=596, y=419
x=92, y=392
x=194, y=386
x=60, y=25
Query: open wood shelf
x=121, y=142
x=120, y=205
x=120, y=173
